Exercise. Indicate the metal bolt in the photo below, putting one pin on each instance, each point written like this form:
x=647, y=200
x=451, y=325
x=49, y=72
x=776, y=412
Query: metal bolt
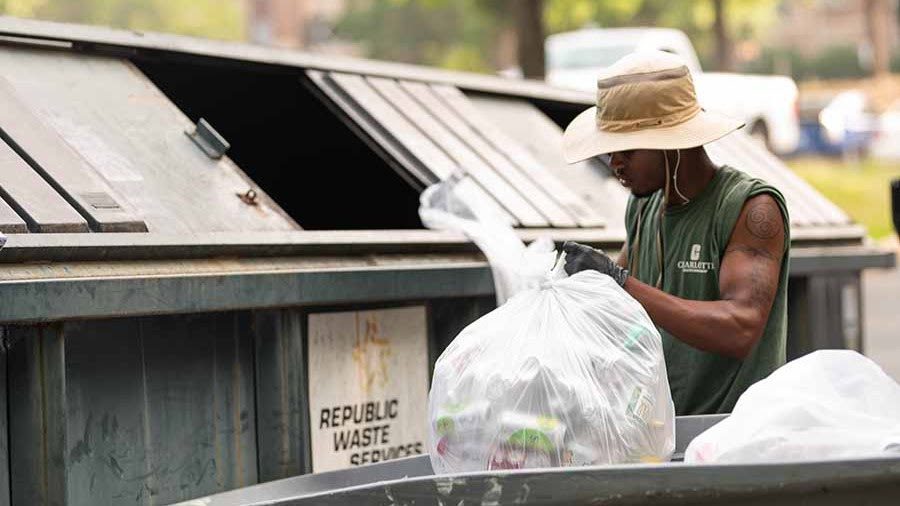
x=250, y=197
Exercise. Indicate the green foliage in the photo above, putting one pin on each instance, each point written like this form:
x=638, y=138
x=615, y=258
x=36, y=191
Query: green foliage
x=464, y=57
x=895, y=62
x=774, y=61
x=457, y=34
x=466, y=34
x=566, y=15
x=836, y=62
x=219, y=19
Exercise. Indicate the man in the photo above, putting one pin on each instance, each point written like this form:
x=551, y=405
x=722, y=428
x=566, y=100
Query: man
x=707, y=247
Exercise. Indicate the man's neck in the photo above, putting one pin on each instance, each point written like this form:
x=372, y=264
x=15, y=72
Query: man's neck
x=695, y=172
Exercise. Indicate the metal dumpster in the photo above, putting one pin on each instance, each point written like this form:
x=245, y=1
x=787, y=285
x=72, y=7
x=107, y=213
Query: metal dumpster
x=412, y=481
x=178, y=321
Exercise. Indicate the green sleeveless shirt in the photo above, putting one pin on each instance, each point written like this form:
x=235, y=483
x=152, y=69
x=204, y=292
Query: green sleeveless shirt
x=694, y=237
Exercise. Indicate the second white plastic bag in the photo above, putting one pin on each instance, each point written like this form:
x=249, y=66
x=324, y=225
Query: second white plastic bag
x=830, y=404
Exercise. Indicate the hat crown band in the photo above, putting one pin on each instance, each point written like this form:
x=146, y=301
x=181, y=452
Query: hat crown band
x=639, y=101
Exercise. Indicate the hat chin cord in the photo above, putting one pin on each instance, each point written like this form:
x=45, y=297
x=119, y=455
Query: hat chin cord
x=674, y=177
x=634, y=250
x=671, y=179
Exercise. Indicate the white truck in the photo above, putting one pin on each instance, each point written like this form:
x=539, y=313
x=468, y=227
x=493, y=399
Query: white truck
x=768, y=104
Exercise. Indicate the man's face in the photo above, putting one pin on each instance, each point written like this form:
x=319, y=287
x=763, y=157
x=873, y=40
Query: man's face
x=641, y=170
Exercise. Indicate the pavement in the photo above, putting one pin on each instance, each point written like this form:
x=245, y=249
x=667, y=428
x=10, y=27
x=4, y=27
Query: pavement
x=881, y=315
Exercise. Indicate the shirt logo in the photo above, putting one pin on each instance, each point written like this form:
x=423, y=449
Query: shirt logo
x=694, y=265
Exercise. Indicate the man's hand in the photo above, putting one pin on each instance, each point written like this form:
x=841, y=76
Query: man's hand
x=580, y=257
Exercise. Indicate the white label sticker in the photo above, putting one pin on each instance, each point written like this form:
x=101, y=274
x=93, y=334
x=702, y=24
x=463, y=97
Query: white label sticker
x=368, y=386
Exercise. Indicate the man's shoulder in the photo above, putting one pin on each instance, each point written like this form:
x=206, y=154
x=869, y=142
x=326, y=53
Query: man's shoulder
x=739, y=185
x=744, y=193
x=732, y=176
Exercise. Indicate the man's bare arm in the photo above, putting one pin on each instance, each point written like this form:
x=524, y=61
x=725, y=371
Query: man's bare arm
x=748, y=281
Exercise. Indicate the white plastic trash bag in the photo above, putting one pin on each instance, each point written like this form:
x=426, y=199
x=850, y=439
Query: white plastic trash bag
x=569, y=371
x=830, y=404
x=456, y=205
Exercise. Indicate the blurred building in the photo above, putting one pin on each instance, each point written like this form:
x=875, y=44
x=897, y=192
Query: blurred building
x=812, y=26
x=297, y=24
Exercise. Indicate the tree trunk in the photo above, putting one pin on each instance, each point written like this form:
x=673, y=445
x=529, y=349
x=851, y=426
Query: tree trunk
x=530, y=37
x=877, y=18
x=724, y=61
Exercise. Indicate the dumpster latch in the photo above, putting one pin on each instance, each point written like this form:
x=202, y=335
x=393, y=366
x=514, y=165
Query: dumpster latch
x=208, y=140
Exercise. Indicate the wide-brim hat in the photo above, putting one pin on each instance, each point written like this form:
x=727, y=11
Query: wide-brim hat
x=646, y=100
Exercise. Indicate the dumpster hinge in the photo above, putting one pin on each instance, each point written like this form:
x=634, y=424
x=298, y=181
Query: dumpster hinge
x=208, y=140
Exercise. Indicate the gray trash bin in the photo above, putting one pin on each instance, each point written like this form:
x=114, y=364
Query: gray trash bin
x=411, y=481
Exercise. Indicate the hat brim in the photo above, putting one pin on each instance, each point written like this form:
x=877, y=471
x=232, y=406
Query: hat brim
x=583, y=139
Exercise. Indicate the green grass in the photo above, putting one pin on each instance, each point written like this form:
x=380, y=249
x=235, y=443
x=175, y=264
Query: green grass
x=862, y=190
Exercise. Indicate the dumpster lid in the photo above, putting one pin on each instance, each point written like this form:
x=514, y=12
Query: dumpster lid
x=89, y=144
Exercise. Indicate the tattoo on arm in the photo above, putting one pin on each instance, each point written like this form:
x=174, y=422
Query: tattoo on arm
x=761, y=290
x=762, y=220
x=761, y=287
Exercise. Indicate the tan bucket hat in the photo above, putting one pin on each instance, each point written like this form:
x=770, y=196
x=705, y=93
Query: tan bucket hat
x=646, y=100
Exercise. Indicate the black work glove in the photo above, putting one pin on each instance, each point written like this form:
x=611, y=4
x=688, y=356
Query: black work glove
x=580, y=257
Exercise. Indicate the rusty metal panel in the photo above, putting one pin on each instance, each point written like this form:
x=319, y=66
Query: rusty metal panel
x=189, y=292
x=536, y=150
x=10, y=222
x=824, y=311
x=70, y=175
x=477, y=152
x=405, y=133
x=448, y=317
x=4, y=421
x=108, y=456
x=282, y=423
x=37, y=414
x=36, y=201
x=130, y=142
x=199, y=387
x=131, y=411
x=457, y=150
